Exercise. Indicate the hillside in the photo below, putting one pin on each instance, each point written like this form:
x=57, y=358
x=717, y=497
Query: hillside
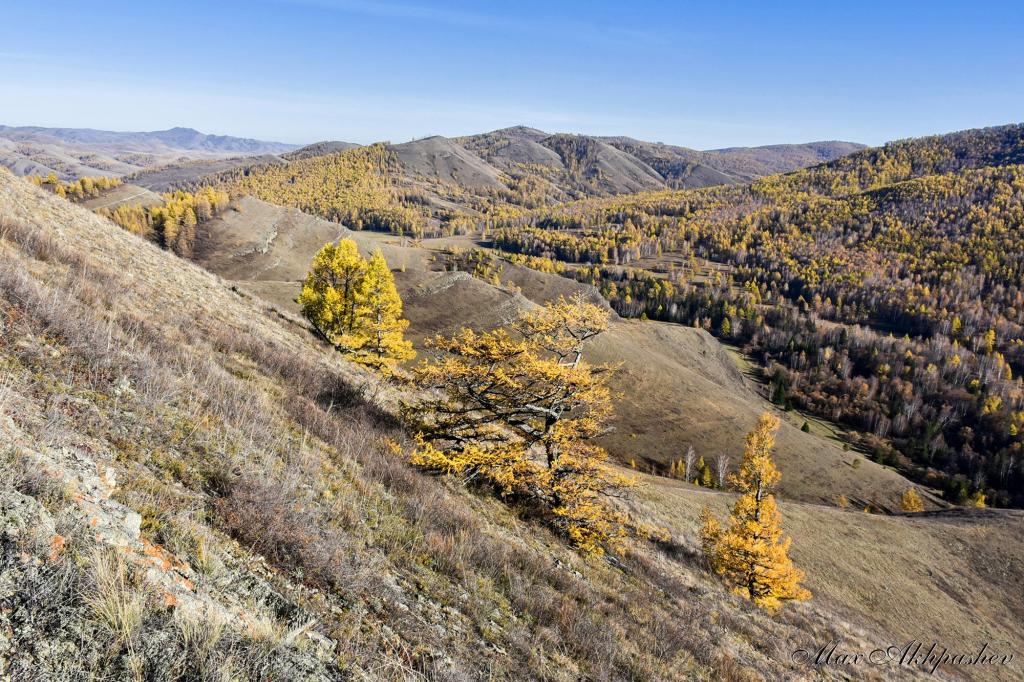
x=125, y=194
x=440, y=159
x=189, y=173
x=590, y=163
x=621, y=165
x=522, y=165
x=245, y=520
x=679, y=386
x=751, y=162
x=688, y=168
x=435, y=186
x=879, y=291
x=319, y=149
x=77, y=152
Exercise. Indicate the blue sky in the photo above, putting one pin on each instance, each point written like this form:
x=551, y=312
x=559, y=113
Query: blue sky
x=704, y=75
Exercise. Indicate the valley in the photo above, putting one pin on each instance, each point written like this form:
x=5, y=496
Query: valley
x=678, y=385
x=472, y=241
x=170, y=313
x=448, y=341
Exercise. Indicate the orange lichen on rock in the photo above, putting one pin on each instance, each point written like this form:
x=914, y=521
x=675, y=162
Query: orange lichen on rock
x=57, y=543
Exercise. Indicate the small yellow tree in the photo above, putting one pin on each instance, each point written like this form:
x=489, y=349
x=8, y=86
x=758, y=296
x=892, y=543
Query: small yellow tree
x=911, y=501
x=329, y=294
x=379, y=314
x=751, y=554
x=705, y=473
x=355, y=306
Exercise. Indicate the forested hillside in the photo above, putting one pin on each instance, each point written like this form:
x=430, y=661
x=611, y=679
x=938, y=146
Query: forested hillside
x=195, y=488
x=439, y=186
x=882, y=291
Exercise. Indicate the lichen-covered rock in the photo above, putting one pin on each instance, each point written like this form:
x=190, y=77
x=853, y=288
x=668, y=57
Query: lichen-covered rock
x=23, y=517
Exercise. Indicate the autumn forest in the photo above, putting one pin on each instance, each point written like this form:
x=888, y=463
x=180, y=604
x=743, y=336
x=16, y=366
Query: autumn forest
x=881, y=291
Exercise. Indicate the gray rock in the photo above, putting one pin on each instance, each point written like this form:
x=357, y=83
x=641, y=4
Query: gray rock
x=23, y=517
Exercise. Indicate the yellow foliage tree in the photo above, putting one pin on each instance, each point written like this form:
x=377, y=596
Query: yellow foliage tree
x=379, y=312
x=176, y=220
x=751, y=554
x=328, y=298
x=516, y=408
x=705, y=473
x=911, y=501
x=355, y=306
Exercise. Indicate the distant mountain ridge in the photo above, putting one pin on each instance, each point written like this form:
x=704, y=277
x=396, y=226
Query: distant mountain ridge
x=176, y=138
x=683, y=167
x=77, y=152
x=563, y=166
x=617, y=165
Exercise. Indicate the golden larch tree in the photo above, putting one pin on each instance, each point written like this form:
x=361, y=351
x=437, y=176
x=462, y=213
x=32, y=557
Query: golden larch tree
x=517, y=408
x=750, y=553
x=911, y=501
x=379, y=311
x=329, y=294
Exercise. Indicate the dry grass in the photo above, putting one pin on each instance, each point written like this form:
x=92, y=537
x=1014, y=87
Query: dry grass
x=118, y=602
x=6, y=390
x=680, y=386
x=249, y=451
x=200, y=631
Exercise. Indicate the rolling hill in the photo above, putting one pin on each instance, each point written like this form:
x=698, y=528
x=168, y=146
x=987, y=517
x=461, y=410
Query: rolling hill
x=189, y=172
x=193, y=483
x=441, y=160
x=591, y=166
x=572, y=166
x=688, y=168
x=879, y=291
x=679, y=386
x=433, y=186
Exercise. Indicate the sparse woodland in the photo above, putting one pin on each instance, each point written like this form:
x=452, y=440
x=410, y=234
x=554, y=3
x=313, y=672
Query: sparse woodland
x=77, y=190
x=882, y=291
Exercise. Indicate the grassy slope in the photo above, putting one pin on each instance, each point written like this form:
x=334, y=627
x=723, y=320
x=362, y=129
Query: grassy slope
x=166, y=177
x=224, y=435
x=951, y=575
x=677, y=374
x=264, y=493
x=126, y=194
x=678, y=383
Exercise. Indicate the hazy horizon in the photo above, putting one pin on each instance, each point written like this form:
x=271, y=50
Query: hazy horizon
x=476, y=132
x=301, y=71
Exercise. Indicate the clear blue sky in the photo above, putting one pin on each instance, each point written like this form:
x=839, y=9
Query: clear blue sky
x=700, y=74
